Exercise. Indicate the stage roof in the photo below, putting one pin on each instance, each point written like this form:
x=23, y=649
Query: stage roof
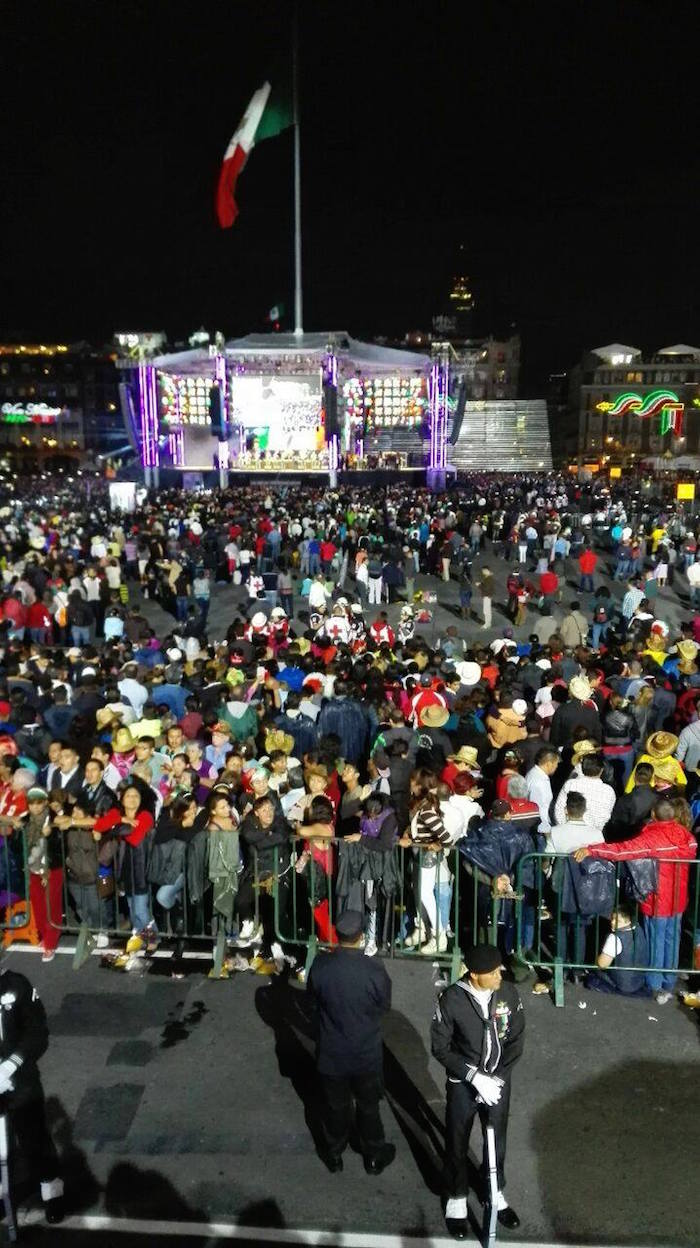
x=352, y=354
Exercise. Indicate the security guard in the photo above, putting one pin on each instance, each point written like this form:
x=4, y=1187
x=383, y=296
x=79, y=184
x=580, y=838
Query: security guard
x=350, y=993
x=24, y=1037
x=477, y=1035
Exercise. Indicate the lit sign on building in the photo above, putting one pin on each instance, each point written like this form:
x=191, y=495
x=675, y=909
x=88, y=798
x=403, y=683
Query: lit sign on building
x=23, y=413
x=662, y=403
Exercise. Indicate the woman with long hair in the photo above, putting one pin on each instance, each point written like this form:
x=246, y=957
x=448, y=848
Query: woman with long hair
x=129, y=820
x=428, y=835
x=225, y=861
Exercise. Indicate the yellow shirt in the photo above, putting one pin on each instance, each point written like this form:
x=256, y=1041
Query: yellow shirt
x=667, y=769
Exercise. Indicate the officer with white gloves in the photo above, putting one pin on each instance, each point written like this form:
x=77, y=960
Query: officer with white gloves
x=477, y=1034
x=24, y=1037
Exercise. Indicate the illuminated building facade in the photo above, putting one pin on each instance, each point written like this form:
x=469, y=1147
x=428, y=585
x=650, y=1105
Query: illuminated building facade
x=628, y=406
x=57, y=398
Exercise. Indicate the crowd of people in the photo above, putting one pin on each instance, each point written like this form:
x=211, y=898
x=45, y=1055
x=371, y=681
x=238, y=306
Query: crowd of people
x=324, y=753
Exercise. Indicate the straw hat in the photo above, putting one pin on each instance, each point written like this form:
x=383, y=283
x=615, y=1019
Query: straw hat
x=579, y=688
x=434, y=716
x=278, y=740
x=661, y=744
x=122, y=741
x=582, y=748
x=466, y=754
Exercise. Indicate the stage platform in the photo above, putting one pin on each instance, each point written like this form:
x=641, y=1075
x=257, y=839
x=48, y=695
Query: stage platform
x=170, y=477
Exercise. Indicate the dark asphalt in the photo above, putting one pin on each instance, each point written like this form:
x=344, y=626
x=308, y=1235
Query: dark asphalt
x=195, y=1100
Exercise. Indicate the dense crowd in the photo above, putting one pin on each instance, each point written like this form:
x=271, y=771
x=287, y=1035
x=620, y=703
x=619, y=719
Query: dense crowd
x=323, y=752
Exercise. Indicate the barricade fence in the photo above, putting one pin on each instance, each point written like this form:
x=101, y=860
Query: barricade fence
x=566, y=911
x=415, y=901
x=551, y=915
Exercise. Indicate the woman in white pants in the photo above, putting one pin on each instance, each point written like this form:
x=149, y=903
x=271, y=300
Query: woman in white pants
x=428, y=834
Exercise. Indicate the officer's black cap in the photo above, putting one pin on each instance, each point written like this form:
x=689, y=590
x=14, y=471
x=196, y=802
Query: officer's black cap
x=482, y=959
x=349, y=925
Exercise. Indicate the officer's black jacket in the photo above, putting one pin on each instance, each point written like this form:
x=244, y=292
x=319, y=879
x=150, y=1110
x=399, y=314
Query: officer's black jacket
x=25, y=1036
x=464, y=1042
x=349, y=993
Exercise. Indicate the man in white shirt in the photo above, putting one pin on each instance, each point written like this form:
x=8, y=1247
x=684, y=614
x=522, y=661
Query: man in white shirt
x=575, y=832
x=539, y=785
x=318, y=595
x=130, y=688
x=600, y=797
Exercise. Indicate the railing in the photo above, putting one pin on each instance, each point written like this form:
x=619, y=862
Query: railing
x=416, y=903
x=554, y=936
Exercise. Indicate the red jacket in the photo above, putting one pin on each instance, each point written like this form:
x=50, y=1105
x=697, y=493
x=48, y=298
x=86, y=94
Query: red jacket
x=587, y=561
x=660, y=840
x=14, y=611
x=549, y=582
x=39, y=616
x=112, y=818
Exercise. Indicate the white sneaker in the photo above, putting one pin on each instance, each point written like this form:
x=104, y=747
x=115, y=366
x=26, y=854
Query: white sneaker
x=370, y=949
x=277, y=955
x=430, y=947
x=416, y=937
x=662, y=998
x=102, y=940
x=245, y=936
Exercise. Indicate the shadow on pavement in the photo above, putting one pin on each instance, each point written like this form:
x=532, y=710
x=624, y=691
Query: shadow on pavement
x=613, y=1165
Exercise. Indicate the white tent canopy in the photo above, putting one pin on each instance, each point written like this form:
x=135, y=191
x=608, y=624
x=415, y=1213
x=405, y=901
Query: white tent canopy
x=352, y=354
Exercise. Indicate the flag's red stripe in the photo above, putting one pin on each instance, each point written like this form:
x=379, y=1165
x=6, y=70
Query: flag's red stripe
x=226, y=206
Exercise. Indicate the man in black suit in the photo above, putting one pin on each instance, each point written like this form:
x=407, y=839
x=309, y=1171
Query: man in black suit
x=350, y=993
x=69, y=777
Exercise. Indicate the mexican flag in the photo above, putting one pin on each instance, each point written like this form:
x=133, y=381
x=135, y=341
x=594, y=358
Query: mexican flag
x=264, y=118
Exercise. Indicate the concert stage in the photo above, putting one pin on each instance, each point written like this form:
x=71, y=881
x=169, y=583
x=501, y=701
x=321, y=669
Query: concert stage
x=285, y=404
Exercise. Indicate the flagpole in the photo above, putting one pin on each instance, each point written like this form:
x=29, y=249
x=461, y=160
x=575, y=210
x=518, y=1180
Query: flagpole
x=298, y=304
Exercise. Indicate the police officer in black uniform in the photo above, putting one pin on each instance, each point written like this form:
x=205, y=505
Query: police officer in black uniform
x=24, y=1037
x=349, y=994
x=477, y=1035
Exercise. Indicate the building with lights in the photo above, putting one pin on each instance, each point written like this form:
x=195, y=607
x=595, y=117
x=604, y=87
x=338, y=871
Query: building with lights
x=628, y=407
x=57, y=399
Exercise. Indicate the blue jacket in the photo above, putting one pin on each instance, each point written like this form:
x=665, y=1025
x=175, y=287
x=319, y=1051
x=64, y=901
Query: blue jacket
x=348, y=720
x=496, y=846
x=302, y=729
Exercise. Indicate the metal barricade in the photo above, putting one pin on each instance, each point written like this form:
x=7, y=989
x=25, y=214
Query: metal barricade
x=127, y=898
x=413, y=899
x=555, y=937
x=15, y=914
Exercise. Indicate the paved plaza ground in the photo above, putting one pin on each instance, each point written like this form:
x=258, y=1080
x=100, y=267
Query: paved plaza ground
x=672, y=603
x=195, y=1101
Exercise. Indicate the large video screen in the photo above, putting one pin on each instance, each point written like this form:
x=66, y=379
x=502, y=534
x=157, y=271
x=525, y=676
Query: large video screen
x=279, y=413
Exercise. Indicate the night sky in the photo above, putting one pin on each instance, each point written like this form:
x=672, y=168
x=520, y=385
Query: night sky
x=557, y=143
